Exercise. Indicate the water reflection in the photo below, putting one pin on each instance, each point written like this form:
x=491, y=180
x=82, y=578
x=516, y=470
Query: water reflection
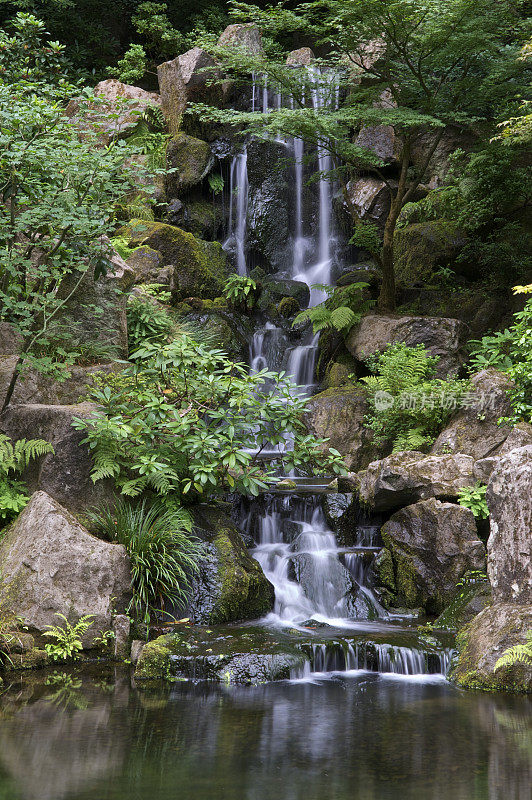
x=361, y=737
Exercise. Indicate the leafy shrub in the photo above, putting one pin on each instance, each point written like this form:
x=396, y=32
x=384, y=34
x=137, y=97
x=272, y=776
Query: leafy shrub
x=184, y=418
x=147, y=322
x=68, y=638
x=474, y=498
x=519, y=654
x=14, y=458
x=239, y=290
x=163, y=554
x=342, y=309
x=408, y=405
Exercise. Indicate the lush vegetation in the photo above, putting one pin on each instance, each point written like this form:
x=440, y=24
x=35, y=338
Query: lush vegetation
x=342, y=309
x=519, y=654
x=14, y=458
x=408, y=405
x=67, y=638
x=163, y=554
x=474, y=498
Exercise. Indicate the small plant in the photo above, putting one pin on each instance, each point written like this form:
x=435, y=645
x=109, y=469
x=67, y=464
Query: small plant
x=474, y=498
x=519, y=654
x=159, y=291
x=147, y=322
x=120, y=244
x=104, y=639
x=239, y=290
x=491, y=351
x=216, y=183
x=408, y=405
x=163, y=554
x=68, y=638
x=14, y=458
x=342, y=309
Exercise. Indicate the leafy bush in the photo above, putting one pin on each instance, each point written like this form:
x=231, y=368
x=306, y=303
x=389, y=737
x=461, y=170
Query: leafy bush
x=342, y=309
x=519, y=654
x=147, y=322
x=163, y=554
x=408, y=405
x=474, y=498
x=68, y=638
x=14, y=458
x=239, y=290
x=184, y=418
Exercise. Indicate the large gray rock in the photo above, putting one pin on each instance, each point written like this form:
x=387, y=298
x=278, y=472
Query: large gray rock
x=473, y=429
x=302, y=57
x=482, y=642
x=245, y=35
x=438, y=168
x=118, y=110
x=10, y=340
x=431, y=544
x=230, y=584
x=200, y=76
x=423, y=247
x=382, y=141
x=36, y=387
x=173, y=93
x=410, y=476
x=441, y=337
x=370, y=198
x=65, y=475
x=509, y=498
x=191, y=158
x=50, y=564
x=338, y=415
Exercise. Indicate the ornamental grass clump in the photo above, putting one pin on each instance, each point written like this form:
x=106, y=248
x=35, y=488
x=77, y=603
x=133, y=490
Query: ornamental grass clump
x=163, y=554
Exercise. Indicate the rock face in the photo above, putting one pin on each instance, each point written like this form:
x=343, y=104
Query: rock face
x=382, y=141
x=509, y=498
x=438, y=167
x=98, y=307
x=50, y=564
x=370, y=198
x=473, y=429
x=199, y=268
x=247, y=36
x=33, y=386
x=231, y=584
x=124, y=102
x=482, y=643
x=338, y=414
x=410, y=476
x=422, y=247
x=198, y=72
x=10, y=340
x=441, y=337
x=431, y=545
x=66, y=474
x=302, y=57
x=173, y=93
x=191, y=158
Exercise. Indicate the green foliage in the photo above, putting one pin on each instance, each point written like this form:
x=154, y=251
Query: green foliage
x=342, y=309
x=147, y=322
x=240, y=291
x=67, y=637
x=182, y=417
x=163, y=555
x=120, y=244
x=519, y=654
x=408, y=405
x=14, y=458
x=474, y=498
x=491, y=351
x=216, y=182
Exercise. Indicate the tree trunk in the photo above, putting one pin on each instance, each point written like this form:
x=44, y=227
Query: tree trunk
x=386, y=301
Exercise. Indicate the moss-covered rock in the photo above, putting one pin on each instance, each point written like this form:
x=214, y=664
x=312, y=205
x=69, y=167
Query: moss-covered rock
x=230, y=655
x=191, y=159
x=423, y=247
x=482, y=642
x=468, y=601
x=202, y=218
x=288, y=307
x=231, y=584
x=199, y=268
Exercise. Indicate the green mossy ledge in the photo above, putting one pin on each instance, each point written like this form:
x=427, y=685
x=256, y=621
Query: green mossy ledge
x=200, y=268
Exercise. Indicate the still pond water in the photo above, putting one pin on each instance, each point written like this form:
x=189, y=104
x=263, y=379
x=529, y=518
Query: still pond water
x=356, y=735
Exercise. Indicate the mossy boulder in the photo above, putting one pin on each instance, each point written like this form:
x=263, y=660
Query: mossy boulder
x=191, y=159
x=288, y=307
x=231, y=584
x=431, y=545
x=199, y=268
x=423, y=247
x=469, y=600
x=229, y=655
x=483, y=641
x=202, y=218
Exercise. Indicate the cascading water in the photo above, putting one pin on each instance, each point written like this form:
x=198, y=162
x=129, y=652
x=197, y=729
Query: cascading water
x=316, y=582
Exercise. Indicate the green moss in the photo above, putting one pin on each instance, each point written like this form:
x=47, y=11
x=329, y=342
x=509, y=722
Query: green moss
x=404, y=574
x=288, y=307
x=420, y=248
x=384, y=570
x=203, y=219
x=245, y=593
x=154, y=659
x=190, y=158
x=200, y=268
x=33, y=659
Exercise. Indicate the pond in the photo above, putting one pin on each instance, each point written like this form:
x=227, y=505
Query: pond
x=85, y=733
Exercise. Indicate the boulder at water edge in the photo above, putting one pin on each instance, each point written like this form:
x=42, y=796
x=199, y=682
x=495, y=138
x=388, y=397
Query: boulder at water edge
x=50, y=564
x=231, y=584
x=191, y=159
x=430, y=546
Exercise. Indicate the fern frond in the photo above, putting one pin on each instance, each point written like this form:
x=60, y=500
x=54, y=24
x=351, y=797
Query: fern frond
x=343, y=318
x=518, y=654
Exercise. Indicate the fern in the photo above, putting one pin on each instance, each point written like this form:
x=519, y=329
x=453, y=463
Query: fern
x=519, y=654
x=14, y=458
x=341, y=311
